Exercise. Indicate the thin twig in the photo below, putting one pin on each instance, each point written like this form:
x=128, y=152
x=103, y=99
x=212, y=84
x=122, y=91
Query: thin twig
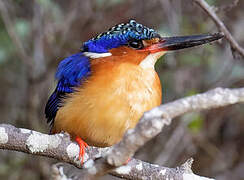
x=235, y=47
x=228, y=7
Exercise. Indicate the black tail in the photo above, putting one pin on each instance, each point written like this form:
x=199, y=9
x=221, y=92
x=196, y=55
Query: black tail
x=52, y=106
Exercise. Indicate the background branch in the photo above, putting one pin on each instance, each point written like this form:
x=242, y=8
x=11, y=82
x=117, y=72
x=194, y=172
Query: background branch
x=235, y=47
x=13, y=35
x=102, y=160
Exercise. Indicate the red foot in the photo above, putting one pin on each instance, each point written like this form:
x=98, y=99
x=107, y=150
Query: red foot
x=83, y=147
x=126, y=162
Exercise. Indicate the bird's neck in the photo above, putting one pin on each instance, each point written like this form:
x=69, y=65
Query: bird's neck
x=150, y=60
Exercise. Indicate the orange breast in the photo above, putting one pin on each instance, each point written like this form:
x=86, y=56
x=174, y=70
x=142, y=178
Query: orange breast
x=111, y=101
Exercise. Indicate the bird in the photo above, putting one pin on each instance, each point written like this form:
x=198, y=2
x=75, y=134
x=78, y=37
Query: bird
x=104, y=89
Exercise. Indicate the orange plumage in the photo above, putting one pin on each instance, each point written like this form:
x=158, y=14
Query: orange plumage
x=112, y=100
x=105, y=89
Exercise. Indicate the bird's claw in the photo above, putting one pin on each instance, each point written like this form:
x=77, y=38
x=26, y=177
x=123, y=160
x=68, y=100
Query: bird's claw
x=83, y=145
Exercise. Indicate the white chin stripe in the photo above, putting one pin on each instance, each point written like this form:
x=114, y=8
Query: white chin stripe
x=151, y=59
x=96, y=55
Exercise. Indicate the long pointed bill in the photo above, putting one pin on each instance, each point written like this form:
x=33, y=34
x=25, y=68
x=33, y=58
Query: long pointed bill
x=181, y=42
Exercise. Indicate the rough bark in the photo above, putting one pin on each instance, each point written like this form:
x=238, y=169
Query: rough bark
x=99, y=161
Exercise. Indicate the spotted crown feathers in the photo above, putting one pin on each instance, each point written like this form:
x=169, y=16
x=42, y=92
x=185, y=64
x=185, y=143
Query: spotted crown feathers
x=117, y=36
x=140, y=31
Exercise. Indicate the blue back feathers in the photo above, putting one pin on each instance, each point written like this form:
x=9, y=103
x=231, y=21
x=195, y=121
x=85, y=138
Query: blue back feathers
x=74, y=69
x=70, y=73
x=119, y=35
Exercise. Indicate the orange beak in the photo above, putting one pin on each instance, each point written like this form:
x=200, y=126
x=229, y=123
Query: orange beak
x=181, y=42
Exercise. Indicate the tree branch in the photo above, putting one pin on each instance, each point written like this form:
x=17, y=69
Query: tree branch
x=60, y=147
x=154, y=120
x=235, y=47
x=102, y=160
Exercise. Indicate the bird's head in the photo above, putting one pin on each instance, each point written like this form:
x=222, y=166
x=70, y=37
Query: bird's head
x=141, y=41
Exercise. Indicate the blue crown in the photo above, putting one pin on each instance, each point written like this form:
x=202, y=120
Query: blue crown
x=119, y=35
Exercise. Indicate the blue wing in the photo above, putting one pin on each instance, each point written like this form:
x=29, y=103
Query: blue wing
x=70, y=73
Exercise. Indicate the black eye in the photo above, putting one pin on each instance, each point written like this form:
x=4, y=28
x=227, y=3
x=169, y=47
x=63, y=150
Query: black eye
x=136, y=44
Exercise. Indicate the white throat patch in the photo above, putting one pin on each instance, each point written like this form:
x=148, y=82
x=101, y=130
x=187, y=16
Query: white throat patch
x=151, y=59
x=96, y=55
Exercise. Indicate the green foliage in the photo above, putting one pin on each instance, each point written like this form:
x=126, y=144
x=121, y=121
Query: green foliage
x=6, y=46
x=196, y=123
x=237, y=72
x=191, y=59
x=192, y=92
x=45, y=3
x=211, y=2
x=102, y=3
x=22, y=28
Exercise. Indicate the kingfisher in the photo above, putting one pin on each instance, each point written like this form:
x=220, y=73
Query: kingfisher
x=105, y=88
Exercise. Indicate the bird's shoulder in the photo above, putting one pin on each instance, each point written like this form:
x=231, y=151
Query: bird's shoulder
x=71, y=72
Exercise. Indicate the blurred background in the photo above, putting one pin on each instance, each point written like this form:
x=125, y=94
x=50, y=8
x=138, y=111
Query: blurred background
x=36, y=35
